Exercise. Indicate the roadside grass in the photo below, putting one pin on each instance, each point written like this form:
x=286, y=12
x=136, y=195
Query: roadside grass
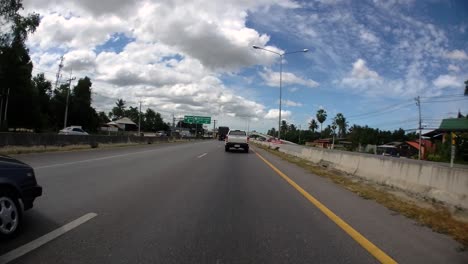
x=435, y=216
x=15, y=150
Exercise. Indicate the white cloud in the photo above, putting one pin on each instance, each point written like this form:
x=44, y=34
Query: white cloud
x=291, y=103
x=445, y=81
x=80, y=60
x=56, y=30
x=456, y=55
x=361, y=71
x=366, y=81
x=293, y=89
x=453, y=68
x=288, y=78
x=368, y=36
x=274, y=114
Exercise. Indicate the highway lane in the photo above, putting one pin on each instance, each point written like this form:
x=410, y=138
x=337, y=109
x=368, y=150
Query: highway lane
x=194, y=203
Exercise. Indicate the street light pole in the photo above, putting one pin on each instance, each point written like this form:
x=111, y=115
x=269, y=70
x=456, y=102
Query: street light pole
x=281, y=96
x=281, y=55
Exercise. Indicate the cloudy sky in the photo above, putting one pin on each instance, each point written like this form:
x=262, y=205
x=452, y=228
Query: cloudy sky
x=366, y=59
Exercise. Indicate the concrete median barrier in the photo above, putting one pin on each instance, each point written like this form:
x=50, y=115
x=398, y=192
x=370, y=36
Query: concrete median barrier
x=424, y=178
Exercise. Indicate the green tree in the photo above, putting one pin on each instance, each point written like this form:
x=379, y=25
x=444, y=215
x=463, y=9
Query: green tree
x=16, y=66
x=80, y=110
x=103, y=118
x=313, y=125
x=321, y=117
x=119, y=110
x=133, y=113
x=327, y=132
x=292, y=128
x=154, y=122
x=466, y=87
x=272, y=132
x=43, y=87
x=57, y=107
x=15, y=27
x=342, y=124
x=284, y=127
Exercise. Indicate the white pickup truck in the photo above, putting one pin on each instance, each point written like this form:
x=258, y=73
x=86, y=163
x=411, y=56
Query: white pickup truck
x=236, y=139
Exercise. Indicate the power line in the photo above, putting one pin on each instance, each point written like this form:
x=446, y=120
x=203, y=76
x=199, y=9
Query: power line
x=444, y=101
x=379, y=110
x=443, y=96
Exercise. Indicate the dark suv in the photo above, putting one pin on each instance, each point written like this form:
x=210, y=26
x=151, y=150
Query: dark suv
x=18, y=189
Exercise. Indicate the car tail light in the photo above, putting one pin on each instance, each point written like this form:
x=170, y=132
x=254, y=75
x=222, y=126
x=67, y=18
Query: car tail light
x=248, y=138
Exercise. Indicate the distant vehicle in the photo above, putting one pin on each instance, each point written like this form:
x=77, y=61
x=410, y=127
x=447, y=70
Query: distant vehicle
x=237, y=139
x=185, y=134
x=73, y=130
x=18, y=190
x=222, y=132
x=161, y=134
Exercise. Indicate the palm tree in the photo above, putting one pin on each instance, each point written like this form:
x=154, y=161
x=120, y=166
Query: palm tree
x=321, y=117
x=342, y=124
x=313, y=125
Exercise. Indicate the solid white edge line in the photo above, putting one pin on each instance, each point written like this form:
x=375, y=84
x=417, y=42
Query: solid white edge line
x=26, y=248
x=202, y=155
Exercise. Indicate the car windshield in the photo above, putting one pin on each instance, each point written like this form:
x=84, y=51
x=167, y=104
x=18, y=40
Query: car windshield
x=237, y=133
x=234, y=131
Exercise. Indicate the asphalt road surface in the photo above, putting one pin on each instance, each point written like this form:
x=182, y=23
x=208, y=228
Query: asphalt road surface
x=195, y=203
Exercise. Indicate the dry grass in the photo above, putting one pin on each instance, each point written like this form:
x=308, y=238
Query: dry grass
x=435, y=216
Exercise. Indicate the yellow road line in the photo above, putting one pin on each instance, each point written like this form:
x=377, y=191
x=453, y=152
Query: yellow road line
x=364, y=242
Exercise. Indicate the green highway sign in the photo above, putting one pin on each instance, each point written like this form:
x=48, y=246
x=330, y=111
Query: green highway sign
x=197, y=119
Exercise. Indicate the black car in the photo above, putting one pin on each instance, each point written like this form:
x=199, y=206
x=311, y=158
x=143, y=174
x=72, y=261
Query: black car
x=18, y=190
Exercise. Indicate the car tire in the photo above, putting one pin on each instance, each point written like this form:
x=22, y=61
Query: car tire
x=10, y=214
x=246, y=150
x=226, y=149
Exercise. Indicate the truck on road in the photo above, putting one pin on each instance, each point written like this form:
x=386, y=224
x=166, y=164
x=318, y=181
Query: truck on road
x=237, y=139
x=222, y=132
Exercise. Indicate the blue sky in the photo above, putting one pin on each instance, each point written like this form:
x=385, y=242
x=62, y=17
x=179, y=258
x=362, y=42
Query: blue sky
x=366, y=59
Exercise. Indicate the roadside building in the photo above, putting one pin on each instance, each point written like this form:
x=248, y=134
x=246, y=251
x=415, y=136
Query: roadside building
x=125, y=124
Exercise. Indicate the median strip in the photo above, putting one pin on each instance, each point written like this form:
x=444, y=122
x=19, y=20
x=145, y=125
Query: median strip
x=360, y=239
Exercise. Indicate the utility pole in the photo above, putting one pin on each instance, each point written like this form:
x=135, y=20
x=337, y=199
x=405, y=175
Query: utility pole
x=300, y=130
x=173, y=124
x=59, y=75
x=139, y=121
x=214, y=128
x=452, y=149
x=6, y=108
x=68, y=95
x=1, y=108
x=418, y=103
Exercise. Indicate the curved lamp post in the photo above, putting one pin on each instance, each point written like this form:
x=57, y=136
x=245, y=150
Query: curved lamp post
x=281, y=55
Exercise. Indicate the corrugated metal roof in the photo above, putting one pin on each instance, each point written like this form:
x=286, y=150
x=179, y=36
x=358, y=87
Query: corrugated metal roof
x=454, y=124
x=125, y=120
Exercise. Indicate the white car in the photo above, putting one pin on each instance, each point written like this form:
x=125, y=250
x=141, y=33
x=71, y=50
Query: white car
x=237, y=139
x=73, y=130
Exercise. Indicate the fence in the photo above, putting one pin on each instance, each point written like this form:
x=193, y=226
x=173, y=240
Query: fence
x=32, y=139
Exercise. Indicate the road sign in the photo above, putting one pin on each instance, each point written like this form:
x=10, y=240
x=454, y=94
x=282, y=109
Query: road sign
x=197, y=119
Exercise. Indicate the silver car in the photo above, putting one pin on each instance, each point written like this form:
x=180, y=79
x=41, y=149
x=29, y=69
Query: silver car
x=73, y=130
